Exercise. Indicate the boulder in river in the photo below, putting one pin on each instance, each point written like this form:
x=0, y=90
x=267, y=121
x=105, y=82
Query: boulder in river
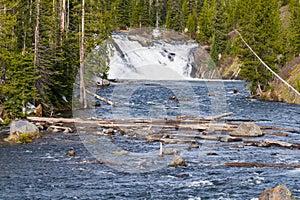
x=247, y=129
x=177, y=161
x=103, y=82
x=71, y=153
x=280, y=192
x=22, y=131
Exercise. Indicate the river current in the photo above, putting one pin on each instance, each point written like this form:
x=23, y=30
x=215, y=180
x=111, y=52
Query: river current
x=42, y=170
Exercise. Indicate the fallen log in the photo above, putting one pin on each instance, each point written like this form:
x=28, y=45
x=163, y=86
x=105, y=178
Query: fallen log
x=99, y=97
x=176, y=141
x=64, y=129
x=272, y=142
x=135, y=123
x=262, y=165
x=211, y=118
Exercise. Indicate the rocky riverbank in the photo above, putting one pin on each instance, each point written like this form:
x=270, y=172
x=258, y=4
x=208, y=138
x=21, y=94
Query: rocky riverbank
x=280, y=92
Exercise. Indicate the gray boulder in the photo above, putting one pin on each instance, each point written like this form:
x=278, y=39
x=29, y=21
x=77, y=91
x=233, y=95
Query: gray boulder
x=177, y=161
x=22, y=131
x=280, y=192
x=247, y=129
x=103, y=82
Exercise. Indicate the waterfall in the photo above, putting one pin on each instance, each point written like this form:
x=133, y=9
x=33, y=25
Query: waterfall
x=138, y=57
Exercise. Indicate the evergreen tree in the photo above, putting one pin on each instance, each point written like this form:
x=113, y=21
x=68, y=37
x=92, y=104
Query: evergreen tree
x=221, y=30
x=185, y=12
x=206, y=21
x=260, y=25
x=192, y=23
x=294, y=28
x=17, y=70
x=174, y=15
x=122, y=13
x=141, y=14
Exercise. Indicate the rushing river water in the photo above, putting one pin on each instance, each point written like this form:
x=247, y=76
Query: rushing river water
x=42, y=170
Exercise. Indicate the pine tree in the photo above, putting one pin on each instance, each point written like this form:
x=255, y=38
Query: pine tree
x=221, y=30
x=192, y=23
x=17, y=70
x=122, y=13
x=260, y=25
x=185, y=12
x=206, y=21
x=141, y=15
x=294, y=28
x=174, y=16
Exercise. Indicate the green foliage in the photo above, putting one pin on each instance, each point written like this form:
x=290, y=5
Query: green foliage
x=51, y=77
x=206, y=21
x=259, y=23
x=141, y=14
x=191, y=23
x=174, y=16
x=122, y=14
x=294, y=29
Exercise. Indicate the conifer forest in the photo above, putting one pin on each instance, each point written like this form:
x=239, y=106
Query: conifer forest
x=43, y=42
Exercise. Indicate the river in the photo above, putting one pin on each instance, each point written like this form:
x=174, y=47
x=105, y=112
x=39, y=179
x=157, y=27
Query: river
x=41, y=170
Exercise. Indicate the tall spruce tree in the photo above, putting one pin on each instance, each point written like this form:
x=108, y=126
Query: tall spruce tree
x=174, y=16
x=259, y=23
x=18, y=73
x=206, y=21
x=141, y=14
x=220, y=31
x=294, y=28
x=122, y=13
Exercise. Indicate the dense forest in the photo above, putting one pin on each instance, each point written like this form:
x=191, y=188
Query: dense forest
x=44, y=42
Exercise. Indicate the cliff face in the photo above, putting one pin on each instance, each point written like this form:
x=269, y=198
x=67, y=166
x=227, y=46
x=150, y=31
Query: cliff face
x=280, y=92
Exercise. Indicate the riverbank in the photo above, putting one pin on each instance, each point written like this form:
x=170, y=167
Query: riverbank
x=278, y=92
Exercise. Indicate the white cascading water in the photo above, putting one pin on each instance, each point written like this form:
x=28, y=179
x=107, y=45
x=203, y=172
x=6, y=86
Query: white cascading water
x=159, y=61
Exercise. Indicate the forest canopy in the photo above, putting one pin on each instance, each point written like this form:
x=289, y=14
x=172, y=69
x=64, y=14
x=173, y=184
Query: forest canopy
x=41, y=40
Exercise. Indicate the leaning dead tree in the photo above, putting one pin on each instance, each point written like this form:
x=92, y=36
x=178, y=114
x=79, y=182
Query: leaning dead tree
x=274, y=73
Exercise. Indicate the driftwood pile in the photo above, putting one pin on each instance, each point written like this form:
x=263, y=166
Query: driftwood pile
x=182, y=130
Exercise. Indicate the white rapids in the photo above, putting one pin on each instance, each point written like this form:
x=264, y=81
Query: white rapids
x=159, y=61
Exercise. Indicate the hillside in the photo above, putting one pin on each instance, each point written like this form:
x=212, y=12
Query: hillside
x=280, y=92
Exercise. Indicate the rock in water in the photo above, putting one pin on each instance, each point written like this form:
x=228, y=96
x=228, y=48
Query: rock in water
x=247, y=129
x=22, y=132
x=71, y=153
x=177, y=161
x=280, y=192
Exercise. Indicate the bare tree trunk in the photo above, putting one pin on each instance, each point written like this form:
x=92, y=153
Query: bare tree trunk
x=68, y=18
x=53, y=3
x=36, y=33
x=4, y=8
x=157, y=16
x=82, y=99
x=62, y=19
x=24, y=39
x=30, y=11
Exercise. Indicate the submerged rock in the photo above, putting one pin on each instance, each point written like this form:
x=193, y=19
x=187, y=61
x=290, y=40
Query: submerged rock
x=247, y=129
x=71, y=153
x=280, y=192
x=171, y=151
x=22, y=132
x=177, y=161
